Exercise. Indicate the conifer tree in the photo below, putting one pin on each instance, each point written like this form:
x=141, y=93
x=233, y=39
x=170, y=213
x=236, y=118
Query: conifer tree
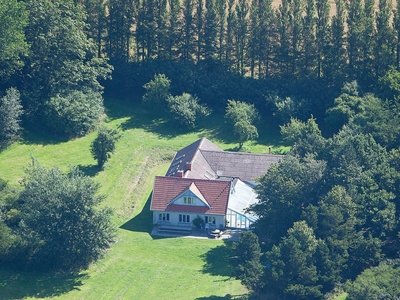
x=355, y=33
x=336, y=61
x=284, y=28
x=309, y=40
x=385, y=37
x=210, y=29
x=241, y=33
x=323, y=9
x=221, y=12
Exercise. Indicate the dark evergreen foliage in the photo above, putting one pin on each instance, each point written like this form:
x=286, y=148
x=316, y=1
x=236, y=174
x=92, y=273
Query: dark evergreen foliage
x=10, y=117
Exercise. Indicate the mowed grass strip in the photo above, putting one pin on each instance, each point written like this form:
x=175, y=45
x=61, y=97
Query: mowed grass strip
x=137, y=266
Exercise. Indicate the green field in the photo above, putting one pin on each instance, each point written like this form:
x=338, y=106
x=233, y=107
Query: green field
x=137, y=266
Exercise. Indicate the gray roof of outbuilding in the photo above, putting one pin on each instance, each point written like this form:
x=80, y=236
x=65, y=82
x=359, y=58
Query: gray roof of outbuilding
x=208, y=161
x=246, y=166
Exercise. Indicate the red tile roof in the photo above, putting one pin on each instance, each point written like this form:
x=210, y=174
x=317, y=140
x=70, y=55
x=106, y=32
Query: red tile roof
x=215, y=192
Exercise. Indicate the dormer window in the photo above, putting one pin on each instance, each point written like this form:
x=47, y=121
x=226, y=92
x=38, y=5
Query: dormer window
x=189, y=200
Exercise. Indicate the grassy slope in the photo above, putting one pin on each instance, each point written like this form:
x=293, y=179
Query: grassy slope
x=137, y=266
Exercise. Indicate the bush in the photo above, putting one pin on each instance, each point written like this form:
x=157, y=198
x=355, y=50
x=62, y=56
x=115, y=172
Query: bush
x=198, y=222
x=104, y=144
x=186, y=110
x=74, y=112
x=157, y=91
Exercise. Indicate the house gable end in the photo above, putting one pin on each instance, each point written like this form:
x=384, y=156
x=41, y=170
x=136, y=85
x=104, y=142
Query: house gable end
x=190, y=197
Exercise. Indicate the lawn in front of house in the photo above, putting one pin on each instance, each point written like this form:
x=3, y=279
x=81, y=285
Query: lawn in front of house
x=137, y=266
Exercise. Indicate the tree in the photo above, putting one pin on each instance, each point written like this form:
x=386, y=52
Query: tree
x=62, y=60
x=104, y=144
x=379, y=282
x=355, y=18
x=244, y=131
x=297, y=130
x=309, y=37
x=322, y=33
x=13, y=46
x=284, y=191
x=210, y=29
x=75, y=112
x=10, y=113
x=239, y=110
x=60, y=220
x=291, y=264
x=188, y=43
x=97, y=22
x=186, y=110
x=385, y=45
x=336, y=60
x=242, y=115
x=241, y=33
x=120, y=15
x=157, y=91
x=246, y=260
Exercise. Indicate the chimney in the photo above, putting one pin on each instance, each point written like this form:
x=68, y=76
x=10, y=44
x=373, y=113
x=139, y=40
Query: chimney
x=189, y=166
x=179, y=173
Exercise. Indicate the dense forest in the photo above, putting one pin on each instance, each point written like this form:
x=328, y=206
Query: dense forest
x=328, y=75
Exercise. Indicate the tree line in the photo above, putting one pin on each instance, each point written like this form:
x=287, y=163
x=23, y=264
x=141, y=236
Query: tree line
x=58, y=54
x=350, y=39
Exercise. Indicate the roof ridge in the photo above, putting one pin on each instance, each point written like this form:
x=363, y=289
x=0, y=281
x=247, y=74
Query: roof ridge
x=241, y=153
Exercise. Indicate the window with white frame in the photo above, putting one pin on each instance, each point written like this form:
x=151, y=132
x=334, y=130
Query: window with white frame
x=210, y=220
x=163, y=217
x=184, y=218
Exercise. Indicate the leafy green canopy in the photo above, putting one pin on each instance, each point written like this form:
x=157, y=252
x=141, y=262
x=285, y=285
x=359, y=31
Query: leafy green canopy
x=104, y=144
x=186, y=110
x=13, y=46
x=61, y=75
x=381, y=282
x=157, y=91
x=242, y=115
x=60, y=224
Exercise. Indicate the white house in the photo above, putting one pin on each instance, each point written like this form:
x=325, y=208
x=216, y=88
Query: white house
x=203, y=180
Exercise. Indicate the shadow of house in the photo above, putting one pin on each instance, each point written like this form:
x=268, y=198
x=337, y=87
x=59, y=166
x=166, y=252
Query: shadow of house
x=142, y=222
x=22, y=285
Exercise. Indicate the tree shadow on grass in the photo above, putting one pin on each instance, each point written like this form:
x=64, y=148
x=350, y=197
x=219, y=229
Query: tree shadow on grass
x=217, y=260
x=42, y=136
x=89, y=170
x=148, y=118
x=142, y=222
x=19, y=285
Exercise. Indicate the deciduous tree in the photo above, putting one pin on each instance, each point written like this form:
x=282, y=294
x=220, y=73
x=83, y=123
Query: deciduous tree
x=104, y=145
x=13, y=45
x=60, y=220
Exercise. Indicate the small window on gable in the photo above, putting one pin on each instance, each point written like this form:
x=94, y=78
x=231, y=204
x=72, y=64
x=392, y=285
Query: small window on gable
x=189, y=200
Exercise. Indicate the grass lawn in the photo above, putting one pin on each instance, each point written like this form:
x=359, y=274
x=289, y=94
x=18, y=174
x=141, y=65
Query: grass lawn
x=137, y=266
